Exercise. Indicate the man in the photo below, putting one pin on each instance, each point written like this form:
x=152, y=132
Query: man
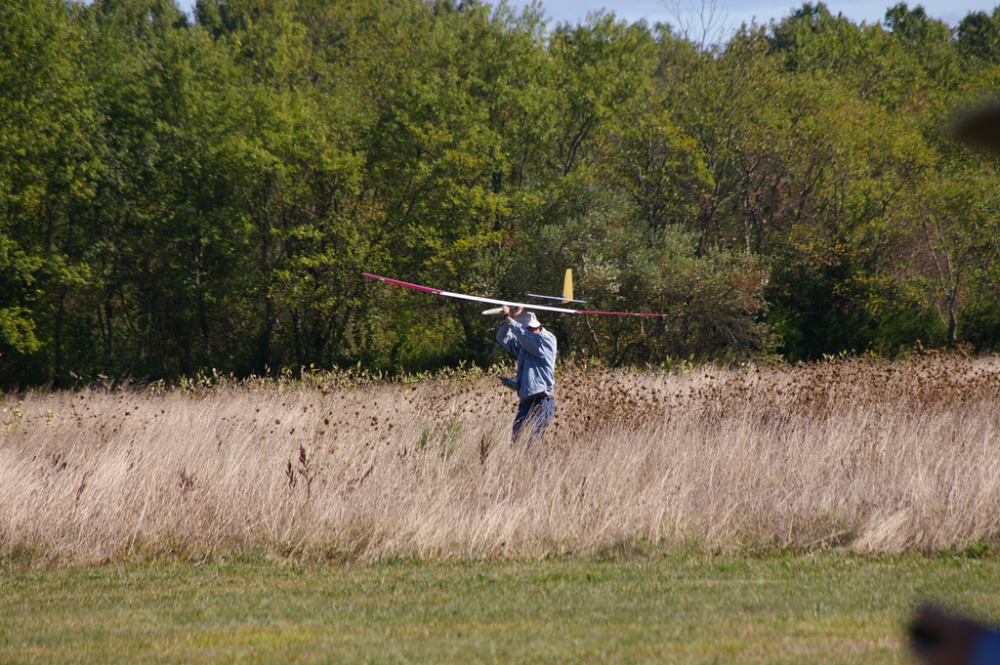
x=535, y=348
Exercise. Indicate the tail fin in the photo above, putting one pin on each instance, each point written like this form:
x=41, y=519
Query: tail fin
x=567, y=296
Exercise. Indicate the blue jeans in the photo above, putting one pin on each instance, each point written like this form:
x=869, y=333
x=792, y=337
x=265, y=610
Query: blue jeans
x=535, y=413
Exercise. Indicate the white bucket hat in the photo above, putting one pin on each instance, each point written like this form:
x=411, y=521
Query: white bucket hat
x=528, y=320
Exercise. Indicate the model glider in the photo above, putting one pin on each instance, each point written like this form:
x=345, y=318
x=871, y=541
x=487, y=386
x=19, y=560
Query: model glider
x=494, y=301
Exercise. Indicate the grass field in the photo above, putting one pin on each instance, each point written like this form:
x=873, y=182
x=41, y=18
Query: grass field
x=785, y=514
x=679, y=608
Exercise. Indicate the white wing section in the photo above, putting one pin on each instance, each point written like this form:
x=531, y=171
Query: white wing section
x=509, y=303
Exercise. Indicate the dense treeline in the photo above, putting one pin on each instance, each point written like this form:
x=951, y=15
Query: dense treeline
x=177, y=196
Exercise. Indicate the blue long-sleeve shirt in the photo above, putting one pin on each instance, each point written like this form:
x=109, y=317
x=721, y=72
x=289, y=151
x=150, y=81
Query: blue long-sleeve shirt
x=536, y=358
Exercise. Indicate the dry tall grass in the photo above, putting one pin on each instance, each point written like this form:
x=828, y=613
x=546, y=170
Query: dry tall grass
x=876, y=456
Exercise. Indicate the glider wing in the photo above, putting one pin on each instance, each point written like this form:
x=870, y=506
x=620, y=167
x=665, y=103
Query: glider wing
x=494, y=301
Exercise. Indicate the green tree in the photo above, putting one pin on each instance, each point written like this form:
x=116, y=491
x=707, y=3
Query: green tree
x=169, y=246
x=978, y=36
x=47, y=170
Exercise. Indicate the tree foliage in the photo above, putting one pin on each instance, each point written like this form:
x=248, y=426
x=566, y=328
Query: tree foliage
x=179, y=194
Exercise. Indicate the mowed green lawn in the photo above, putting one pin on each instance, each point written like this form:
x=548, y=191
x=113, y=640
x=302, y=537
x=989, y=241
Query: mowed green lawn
x=680, y=608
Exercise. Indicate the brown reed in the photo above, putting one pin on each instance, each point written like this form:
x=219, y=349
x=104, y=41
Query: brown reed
x=865, y=454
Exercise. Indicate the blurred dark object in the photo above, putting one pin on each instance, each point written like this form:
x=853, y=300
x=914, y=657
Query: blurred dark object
x=979, y=128
x=938, y=638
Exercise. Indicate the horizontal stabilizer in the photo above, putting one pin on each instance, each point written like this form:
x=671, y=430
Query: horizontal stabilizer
x=535, y=295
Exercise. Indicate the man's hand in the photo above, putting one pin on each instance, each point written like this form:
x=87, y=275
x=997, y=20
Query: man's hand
x=507, y=311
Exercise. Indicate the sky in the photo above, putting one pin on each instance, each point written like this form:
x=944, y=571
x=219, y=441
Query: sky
x=734, y=12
